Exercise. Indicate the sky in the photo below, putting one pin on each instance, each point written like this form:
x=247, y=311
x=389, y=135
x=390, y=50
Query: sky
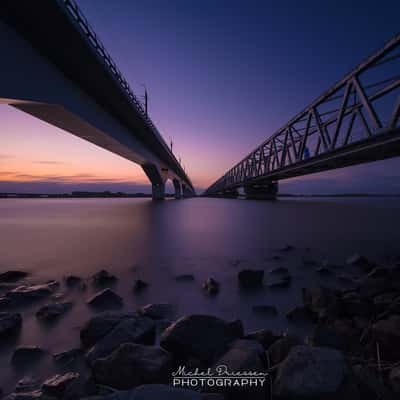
x=222, y=76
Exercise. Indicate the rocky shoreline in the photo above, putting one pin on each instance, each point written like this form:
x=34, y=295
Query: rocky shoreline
x=352, y=353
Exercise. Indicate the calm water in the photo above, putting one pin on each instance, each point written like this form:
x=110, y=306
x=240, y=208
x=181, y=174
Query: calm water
x=136, y=238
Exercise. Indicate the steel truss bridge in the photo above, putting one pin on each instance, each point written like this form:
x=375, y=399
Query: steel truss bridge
x=353, y=122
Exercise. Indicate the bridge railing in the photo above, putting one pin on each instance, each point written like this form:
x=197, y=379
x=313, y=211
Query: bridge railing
x=77, y=15
x=365, y=103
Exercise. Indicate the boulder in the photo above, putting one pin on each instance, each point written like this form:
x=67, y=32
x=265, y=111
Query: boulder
x=103, y=278
x=311, y=373
x=132, y=330
x=12, y=276
x=211, y=286
x=10, y=323
x=279, y=350
x=360, y=261
x=265, y=309
x=201, y=336
x=68, y=386
x=184, y=278
x=26, y=354
x=139, y=285
x=27, y=384
x=104, y=299
x=386, y=332
x=157, y=311
x=354, y=305
x=383, y=301
x=283, y=283
x=32, y=395
x=132, y=365
x=394, y=379
x=5, y=302
x=324, y=271
x=370, y=384
x=263, y=336
x=321, y=299
x=68, y=356
x=49, y=312
x=101, y=324
x=301, y=313
x=72, y=280
x=251, y=278
x=29, y=293
x=279, y=271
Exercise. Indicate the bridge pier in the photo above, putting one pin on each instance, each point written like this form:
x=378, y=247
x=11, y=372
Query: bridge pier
x=178, y=188
x=264, y=191
x=230, y=194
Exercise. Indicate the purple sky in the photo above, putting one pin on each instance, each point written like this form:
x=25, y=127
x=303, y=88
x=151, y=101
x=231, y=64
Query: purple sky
x=222, y=76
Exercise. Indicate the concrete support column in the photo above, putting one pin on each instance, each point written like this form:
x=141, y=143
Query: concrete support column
x=264, y=191
x=178, y=188
x=158, y=191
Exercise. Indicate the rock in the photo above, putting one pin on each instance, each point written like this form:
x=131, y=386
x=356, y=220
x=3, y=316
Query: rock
x=103, y=278
x=346, y=279
x=321, y=299
x=265, y=309
x=276, y=258
x=370, y=385
x=162, y=325
x=251, y=278
x=28, y=293
x=357, y=259
x=311, y=373
x=279, y=271
x=69, y=356
x=106, y=298
x=27, y=354
x=338, y=336
x=5, y=302
x=139, y=285
x=184, y=278
x=133, y=364
x=263, y=336
x=10, y=323
x=211, y=286
x=394, y=379
x=49, y=312
x=133, y=330
x=301, y=313
x=157, y=311
x=32, y=395
x=161, y=392
x=200, y=336
x=12, y=276
x=354, y=305
x=27, y=384
x=383, y=301
x=72, y=280
x=287, y=248
x=69, y=386
x=386, y=333
x=279, y=350
x=283, y=283
x=100, y=325
x=309, y=263
x=325, y=271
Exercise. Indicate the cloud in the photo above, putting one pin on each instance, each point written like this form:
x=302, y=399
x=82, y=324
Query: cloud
x=48, y=162
x=4, y=156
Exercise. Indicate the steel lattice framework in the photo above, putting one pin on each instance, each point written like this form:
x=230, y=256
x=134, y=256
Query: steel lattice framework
x=355, y=121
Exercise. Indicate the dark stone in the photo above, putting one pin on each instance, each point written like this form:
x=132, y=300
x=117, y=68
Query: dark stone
x=301, y=313
x=72, y=280
x=279, y=271
x=26, y=354
x=279, y=350
x=133, y=330
x=386, y=333
x=27, y=384
x=321, y=299
x=211, y=286
x=10, y=323
x=69, y=386
x=69, y=356
x=12, y=276
x=251, y=278
x=139, y=285
x=265, y=309
x=103, y=278
x=29, y=293
x=157, y=311
x=311, y=373
x=283, y=283
x=5, y=302
x=100, y=325
x=394, y=379
x=132, y=365
x=184, y=278
x=49, y=312
x=263, y=336
x=353, y=304
x=370, y=385
x=201, y=336
x=287, y=248
x=325, y=271
x=106, y=298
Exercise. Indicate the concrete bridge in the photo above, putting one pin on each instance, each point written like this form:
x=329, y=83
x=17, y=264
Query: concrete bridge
x=54, y=67
x=356, y=121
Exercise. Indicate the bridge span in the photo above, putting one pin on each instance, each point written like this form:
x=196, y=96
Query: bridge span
x=356, y=121
x=54, y=67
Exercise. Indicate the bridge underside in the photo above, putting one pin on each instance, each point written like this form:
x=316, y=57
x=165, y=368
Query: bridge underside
x=54, y=74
